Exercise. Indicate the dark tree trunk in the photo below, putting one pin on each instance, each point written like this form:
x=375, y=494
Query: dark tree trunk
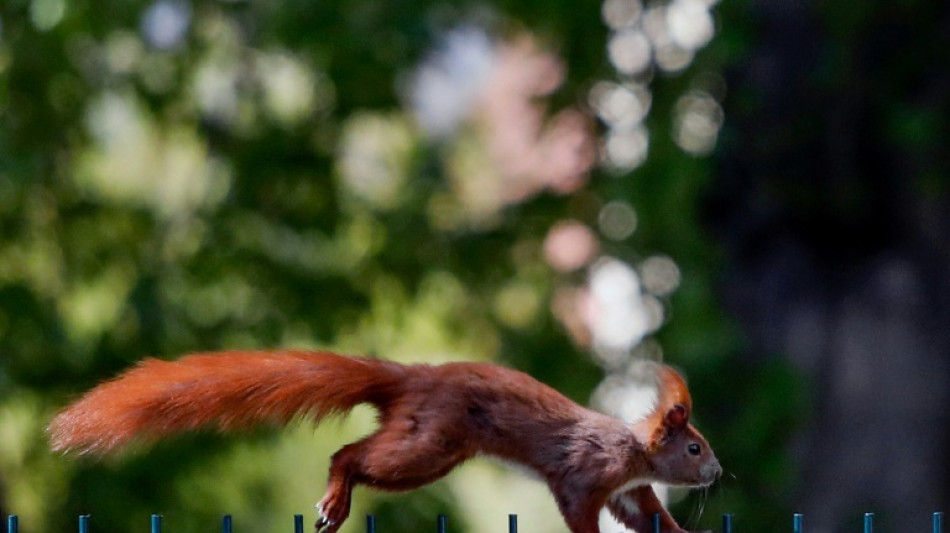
x=831, y=202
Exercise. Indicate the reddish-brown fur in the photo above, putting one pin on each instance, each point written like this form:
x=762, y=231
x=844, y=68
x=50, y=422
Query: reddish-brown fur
x=431, y=419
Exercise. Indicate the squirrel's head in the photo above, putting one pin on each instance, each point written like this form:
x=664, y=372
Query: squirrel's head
x=677, y=451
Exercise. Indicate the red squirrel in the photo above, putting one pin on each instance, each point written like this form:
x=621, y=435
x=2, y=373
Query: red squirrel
x=431, y=418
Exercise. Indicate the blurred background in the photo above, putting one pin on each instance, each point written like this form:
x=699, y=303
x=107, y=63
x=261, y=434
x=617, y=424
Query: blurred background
x=754, y=191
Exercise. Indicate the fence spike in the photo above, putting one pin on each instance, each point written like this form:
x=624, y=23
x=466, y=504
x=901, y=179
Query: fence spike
x=370, y=523
x=156, y=523
x=938, y=523
x=868, y=522
x=83, y=523
x=512, y=523
x=226, y=524
x=13, y=523
x=655, y=523
x=298, y=523
x=727, y=523
x=440, y=526
x=797, y=523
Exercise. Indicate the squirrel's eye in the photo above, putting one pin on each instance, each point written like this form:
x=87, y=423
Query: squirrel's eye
x=694, y=449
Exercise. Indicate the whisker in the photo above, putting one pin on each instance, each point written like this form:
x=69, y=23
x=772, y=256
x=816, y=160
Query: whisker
x=702, y=503
x=696, y=513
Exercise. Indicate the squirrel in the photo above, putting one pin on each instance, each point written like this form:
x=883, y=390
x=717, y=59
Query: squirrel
x=431, y=418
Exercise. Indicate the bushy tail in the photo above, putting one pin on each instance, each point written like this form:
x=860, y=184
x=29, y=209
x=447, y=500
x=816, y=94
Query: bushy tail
x=229, y=390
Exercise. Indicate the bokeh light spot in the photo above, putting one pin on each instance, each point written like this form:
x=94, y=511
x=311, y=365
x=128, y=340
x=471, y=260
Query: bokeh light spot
x=627, y=150
x=619, y=14
x=45, y=14
x=569, y=246
x=660, y=275
x=696, y=122
x=629, y=51
x=617, y=220
x=165, y=23
x=690, y=23
x=620, y=105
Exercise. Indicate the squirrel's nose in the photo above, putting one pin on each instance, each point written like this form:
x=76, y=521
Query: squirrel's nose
x=711, y=471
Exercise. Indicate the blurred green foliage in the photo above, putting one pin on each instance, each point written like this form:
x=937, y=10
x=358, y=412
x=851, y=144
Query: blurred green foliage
x=155, y=202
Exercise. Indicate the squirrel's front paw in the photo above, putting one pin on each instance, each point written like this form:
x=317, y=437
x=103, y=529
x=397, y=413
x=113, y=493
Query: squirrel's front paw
x=324, y=523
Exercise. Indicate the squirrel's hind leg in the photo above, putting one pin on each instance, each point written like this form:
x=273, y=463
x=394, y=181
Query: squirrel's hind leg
x=334, y=507
x=391, y=459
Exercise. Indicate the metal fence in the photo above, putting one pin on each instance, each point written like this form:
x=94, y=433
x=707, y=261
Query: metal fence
x=13, y=523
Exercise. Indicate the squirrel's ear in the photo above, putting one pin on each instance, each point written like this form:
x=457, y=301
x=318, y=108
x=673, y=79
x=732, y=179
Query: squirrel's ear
x=678, y=416
x=671, y=412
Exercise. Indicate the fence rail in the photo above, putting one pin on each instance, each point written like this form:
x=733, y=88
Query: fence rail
x=13, y=523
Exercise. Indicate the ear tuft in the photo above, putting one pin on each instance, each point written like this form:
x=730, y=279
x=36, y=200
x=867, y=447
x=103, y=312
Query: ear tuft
x=678, y=416
x=671, y=411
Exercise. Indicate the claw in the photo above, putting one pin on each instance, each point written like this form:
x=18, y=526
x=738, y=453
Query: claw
x=323, y=524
